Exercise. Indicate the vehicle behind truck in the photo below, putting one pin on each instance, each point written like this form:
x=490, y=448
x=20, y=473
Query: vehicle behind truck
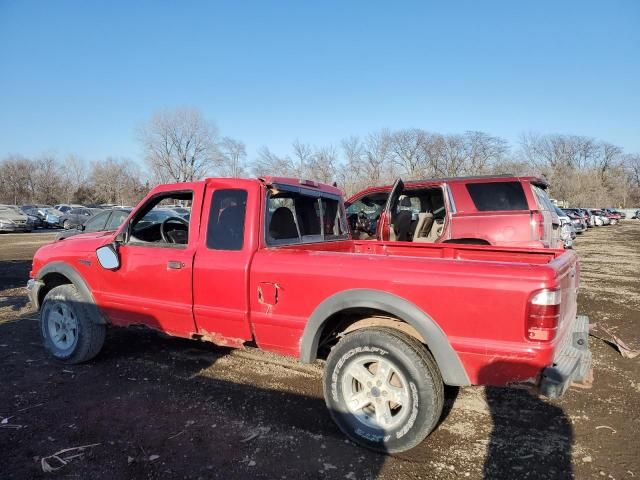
x=272, y=263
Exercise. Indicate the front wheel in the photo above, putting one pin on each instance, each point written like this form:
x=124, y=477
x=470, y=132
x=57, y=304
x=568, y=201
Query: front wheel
x=383, y=389
x=68, y=331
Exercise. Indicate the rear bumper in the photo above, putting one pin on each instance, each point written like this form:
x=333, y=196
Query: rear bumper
x=571, y=363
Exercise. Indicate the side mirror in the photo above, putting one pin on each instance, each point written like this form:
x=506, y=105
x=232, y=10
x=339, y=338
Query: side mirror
x=108, y=257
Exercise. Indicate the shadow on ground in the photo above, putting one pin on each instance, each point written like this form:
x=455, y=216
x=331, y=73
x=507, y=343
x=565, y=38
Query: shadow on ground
x=210, y=412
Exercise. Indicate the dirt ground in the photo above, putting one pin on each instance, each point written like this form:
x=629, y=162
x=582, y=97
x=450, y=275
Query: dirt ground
x=157, y=407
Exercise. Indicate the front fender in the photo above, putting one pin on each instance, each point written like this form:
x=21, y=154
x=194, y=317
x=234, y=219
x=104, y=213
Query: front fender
x=66, y=270
x=451, y=368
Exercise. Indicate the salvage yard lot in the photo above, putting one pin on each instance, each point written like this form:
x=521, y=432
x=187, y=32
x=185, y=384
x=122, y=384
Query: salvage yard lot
x=157, y=407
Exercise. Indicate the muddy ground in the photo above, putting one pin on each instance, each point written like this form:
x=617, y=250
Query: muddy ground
x=157, y=407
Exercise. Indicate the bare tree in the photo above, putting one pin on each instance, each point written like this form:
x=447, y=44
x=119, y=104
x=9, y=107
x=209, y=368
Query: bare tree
x=180, y=145
x=117, y=181
x=302, y=159
x=409, y=152
x=268, y=163
x=17, y=179
x=323, y=164
x=482, y=151
x=48, y=180
x=74, y=176
x=232, y=160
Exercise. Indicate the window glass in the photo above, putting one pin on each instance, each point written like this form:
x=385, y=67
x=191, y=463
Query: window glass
x=116, y=219
x=157, y=225
x=226, y=220
x=294, y=217
x=498, y=196
x=544, y=203
x=96, y=224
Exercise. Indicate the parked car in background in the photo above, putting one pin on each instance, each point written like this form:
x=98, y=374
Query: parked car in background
x=36, y=218
x=12, y=219
x=597, y=218
x=104, y=221
x=586, y=215
x=503, y=210
x=612, y=215
x=637, y=214
x=77, y=216
x=567, y=231
x=577, y=219
x=64, y=208
x=51, y=216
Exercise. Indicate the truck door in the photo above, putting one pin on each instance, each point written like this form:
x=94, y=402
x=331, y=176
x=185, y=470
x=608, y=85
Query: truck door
x=222, y=264
x=153, y=285
x=385, y=224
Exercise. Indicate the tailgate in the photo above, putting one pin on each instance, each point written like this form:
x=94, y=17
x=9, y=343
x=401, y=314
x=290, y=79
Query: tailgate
x=568, y=279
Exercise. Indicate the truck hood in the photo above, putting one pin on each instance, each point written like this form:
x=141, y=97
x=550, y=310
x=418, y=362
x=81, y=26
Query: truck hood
x=70, y=249
x=87, y=236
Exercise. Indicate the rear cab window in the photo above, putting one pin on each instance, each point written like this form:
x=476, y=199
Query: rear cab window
x=296, y=215
x=497, y=196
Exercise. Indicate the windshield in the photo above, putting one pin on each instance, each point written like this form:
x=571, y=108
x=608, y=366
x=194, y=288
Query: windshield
x=299, y=215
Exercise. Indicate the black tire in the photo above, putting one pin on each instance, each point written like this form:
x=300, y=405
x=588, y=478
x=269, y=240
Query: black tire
x=88, y=335
x=66, y=225
x=423, y=382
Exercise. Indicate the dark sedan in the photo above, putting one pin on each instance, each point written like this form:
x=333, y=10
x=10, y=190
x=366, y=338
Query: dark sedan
x=104, y=221
x=77, y=216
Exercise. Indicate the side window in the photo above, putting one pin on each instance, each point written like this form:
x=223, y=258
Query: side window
x=116, y=219
x=96, y=224
x=543, y=199
x=225, y=230
x=155, y=224
x=496, y=196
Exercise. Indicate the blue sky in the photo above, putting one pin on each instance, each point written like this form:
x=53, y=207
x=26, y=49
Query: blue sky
x=81, y=76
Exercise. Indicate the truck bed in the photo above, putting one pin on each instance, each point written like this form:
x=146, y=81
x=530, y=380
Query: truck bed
x=485, y=253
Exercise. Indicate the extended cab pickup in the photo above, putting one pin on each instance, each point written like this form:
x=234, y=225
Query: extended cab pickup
x=271, y=262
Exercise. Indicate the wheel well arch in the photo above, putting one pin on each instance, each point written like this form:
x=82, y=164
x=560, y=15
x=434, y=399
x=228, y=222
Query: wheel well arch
x=359, y=308
x=50, y=281
x=61, y=273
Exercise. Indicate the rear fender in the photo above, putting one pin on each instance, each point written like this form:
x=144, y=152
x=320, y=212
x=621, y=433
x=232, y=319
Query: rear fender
x=451, y=368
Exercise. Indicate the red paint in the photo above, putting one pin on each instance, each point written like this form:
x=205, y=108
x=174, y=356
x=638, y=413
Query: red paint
x=478, y=295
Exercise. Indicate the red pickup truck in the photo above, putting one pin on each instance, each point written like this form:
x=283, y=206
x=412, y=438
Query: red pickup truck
x=270, y=262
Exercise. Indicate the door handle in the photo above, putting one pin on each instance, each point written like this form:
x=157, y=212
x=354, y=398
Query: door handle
x=174, y=265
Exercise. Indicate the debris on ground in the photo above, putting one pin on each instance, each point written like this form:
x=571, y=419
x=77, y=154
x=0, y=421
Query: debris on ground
x=63, y=457
x=614, y=341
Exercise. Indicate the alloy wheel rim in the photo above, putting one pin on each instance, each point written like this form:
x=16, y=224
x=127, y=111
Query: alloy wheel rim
x=62, y=325
x=376, y=392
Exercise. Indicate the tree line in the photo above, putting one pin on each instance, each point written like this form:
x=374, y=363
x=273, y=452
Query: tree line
x=181, y=145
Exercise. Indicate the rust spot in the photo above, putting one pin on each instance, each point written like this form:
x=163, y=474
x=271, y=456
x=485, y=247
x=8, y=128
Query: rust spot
x=220, y=340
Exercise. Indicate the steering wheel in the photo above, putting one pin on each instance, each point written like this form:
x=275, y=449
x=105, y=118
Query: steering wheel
x=163, y=228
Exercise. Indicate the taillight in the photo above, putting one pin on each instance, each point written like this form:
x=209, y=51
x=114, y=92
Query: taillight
x=543, y=315
x=537, y=225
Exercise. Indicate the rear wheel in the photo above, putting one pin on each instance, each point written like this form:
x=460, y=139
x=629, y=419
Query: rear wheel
x=68, y=331
x=383, y=389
